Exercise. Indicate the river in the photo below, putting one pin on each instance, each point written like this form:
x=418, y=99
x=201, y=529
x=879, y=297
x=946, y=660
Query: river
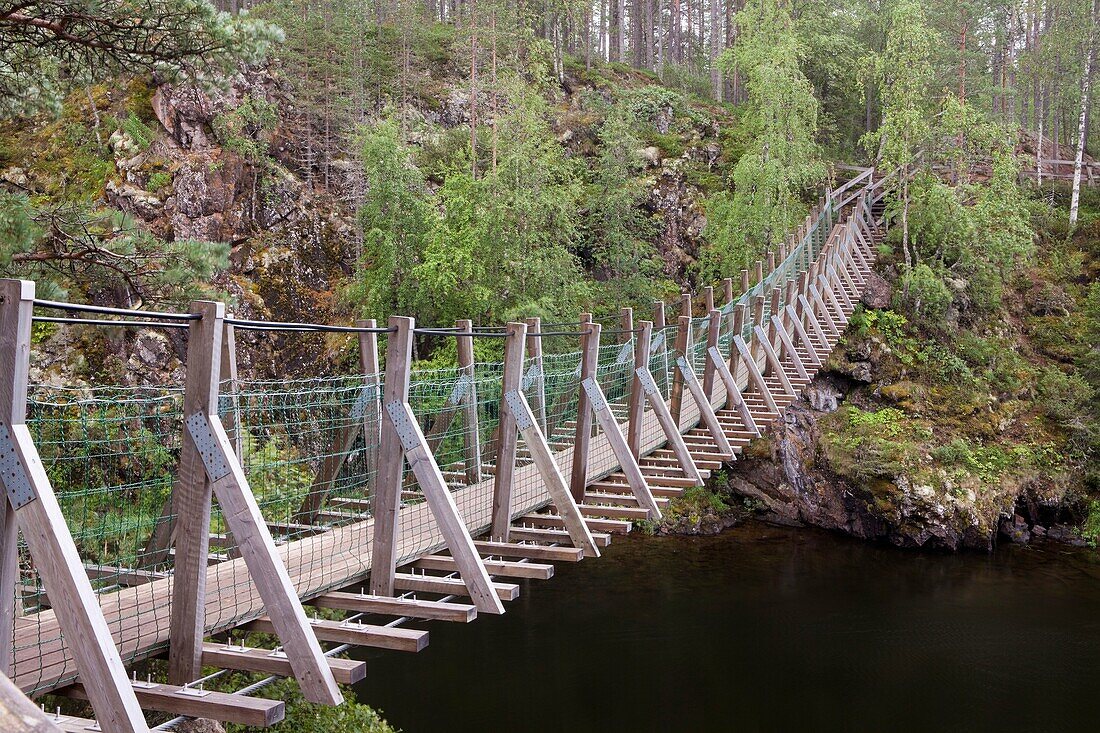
x=767, y=629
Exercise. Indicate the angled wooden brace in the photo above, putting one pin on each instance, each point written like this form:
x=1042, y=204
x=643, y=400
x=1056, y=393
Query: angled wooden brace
x=244, y=519
x=556, y=486
x=788, y=348
x=627, y=462
x=732, y=392
x=823, y=310
x=811, y=318
x=852, y=291
x=773, y=361
x=755, y=376
x=19, y=715
x=706, y=410
x=668, y=425
x=828, y=292
x=442, y=504
x=31, y=505
x=803, y=337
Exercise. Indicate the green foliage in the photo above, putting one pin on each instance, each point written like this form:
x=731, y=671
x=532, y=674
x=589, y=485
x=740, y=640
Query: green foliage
x=139, y=132
x=247, y=129
x=101, y=251
x=890, y=324
x=1091, y=529
x=306, y=717
x=923, y=293
x=868, y=446
x=159, y=181
x=51, y=46
x=782, y=159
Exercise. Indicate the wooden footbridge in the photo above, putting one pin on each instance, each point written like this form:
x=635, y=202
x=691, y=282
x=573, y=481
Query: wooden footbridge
x=148, y=530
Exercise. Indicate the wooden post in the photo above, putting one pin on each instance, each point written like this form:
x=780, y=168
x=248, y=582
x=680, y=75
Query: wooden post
x=512, y=380
x=534, y=353
x=727, y=290
x=685, y=305
x=387, y=494
x=232, y=388
x=759, y=273
x=788, y=349
x=706, y=410
x=191, y=498
x=744, y=281
x=659, y=324
x=708, y=298
x=668, y=425
x=30, y=497
x=683, y=348
x=372, y=383
x=590, y=354
x=543, y=458
x=627, y=463
x=471, y=432
x=636, y=415
x=734, y=396
x=714, y=327
x=738, y=329
x=630, y=346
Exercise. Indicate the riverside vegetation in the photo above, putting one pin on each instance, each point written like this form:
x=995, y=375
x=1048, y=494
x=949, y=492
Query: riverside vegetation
x=330, y=160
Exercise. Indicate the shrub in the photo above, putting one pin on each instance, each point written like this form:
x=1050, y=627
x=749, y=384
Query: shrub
x=924, y=293
x=139, y=132
x=159, y=181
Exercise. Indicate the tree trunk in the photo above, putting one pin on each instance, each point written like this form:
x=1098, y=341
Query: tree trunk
x=715, y=72
x=1086, y=89
x=473, y=88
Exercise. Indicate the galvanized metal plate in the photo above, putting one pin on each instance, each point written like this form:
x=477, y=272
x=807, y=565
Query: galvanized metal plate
x=366, y=395
x=686, y=370
x=209, y=449
x=520, y=411
x=462, y=386
x=16, y=482
x=626, y=353
x=532, y=374
x=407, y=432
x=595, y=394
x=649, y=386
x=657, y=342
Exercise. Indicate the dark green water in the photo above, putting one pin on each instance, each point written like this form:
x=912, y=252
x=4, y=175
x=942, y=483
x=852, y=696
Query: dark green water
x=765, y=629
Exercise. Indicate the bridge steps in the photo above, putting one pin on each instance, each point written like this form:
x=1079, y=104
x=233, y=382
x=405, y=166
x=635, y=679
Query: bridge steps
x=174, y=700
x=378, y=637
x=250, y=659
x=611, y=526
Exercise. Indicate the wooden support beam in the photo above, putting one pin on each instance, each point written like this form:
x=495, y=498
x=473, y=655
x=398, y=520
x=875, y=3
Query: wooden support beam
x=266, y=661
x=243, y=517
x=755, y=377
x=789, y=349
x=714, y=327
x=533, y=552
x=668, y=425
x=352, y=632
x=827, y=290
x=462, y=613
x=803, y=337
x=512, y=381
x=773, y=361
x=616, y=526
x=18, y=714
x=176, y=700
x=683, y=347
x=387, y=493
x=122, y=576
x=556, y=536
x=471, y=434
x=497, y=568
x=823, y=310
x=442, y=504
x=706, y=410
x=191, y=498
x=552, y=478
x=733, y=394
x=31, y=505
x=636, y=414
x=615, y=439
x=536, y=373
x=452, y=586
x=590, y=354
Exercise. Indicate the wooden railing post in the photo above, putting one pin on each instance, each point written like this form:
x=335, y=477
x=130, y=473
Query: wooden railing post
x=714, y=327
x=503, y=479
x=372, y=382
x=739, y=312
x=637, y=397
x=231, y=387
x=629, y=344
x=683, y=347
x=191, y=499
x=391, y=465
x=471, y=435
x=31, y=504
x=659, y=324
x=708, y=299
x=536, y=372
x=590, y=354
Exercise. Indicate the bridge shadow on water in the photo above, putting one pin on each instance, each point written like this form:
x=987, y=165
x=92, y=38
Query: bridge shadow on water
x=768, y=629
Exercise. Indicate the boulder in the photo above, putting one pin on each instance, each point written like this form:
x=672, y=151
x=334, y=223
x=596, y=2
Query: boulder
x=877, y=293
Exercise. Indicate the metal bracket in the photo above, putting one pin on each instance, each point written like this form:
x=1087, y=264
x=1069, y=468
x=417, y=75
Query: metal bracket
x=367, y=394
x=532, y=374
x=658, y=342
x=15, y=480
x=462, y=386
x=406, y=431
x=595, y=394
x=519, y=410
x=649, y=386
x=686, y=370
x=209, y=449
x=626, y=353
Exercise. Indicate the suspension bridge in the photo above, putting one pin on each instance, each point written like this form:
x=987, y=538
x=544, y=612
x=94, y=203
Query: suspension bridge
x=150, y=530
